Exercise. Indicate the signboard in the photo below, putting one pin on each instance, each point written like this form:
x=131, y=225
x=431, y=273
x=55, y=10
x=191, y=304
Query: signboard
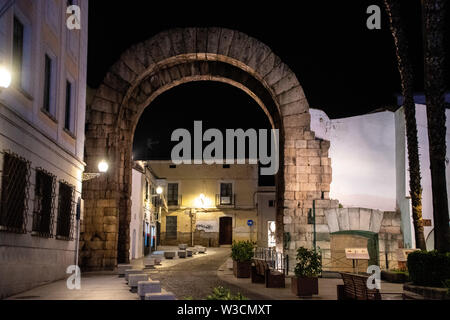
x=402, y=254
x=427, y=222
x=357, y=253
x=250, y=223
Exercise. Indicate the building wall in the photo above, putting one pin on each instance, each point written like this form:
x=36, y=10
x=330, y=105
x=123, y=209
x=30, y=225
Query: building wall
x=362, y=152
x=403, y=200
x=370, y=164
x=137, y=214
x=27, y=260
x=265, y=213
x=194, y=180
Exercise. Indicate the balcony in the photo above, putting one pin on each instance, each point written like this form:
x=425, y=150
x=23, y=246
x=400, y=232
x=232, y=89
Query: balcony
x=225, y=201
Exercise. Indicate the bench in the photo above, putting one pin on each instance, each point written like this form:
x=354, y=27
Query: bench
x=261, y=272
x=355, y=288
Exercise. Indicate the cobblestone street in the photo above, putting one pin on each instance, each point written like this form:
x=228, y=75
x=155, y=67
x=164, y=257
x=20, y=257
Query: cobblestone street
x=196, y=278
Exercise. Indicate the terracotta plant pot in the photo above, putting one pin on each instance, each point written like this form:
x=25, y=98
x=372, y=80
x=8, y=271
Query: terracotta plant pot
x=242, y=269
x=304, y=286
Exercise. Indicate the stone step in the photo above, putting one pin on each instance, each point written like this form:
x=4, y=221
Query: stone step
x=164, y=295
x=169, y=254
x=121, y=269
x=182, y=246
x=150, y=286
x=201, y=249
x=182, y=253
x=189, y=252
x=149, y=263
x=131, y=271
x=133, y=280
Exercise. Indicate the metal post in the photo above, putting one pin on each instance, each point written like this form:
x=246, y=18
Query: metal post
x=314, y=224
x=77, y=240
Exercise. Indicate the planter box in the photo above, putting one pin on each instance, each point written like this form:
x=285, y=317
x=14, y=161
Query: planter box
x=304, y=286
x=242, y=269
x=394, y=277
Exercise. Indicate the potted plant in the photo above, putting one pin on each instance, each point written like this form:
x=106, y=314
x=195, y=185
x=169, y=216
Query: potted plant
x=242, y=254
x=307, y=270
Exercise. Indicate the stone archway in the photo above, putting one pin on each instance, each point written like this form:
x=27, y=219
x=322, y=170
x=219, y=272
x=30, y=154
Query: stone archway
x=169, y=59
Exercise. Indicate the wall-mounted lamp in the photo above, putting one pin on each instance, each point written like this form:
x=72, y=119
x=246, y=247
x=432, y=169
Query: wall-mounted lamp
x=5, y=78
x=159, y=190
x=102, y=168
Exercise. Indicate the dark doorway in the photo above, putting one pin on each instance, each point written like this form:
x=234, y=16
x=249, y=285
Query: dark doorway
x=171, y=227
x=225, y=230
x=158, y=233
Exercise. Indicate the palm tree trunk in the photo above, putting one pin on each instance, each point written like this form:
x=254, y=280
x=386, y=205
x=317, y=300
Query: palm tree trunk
x=433, y=27
x=406, y=75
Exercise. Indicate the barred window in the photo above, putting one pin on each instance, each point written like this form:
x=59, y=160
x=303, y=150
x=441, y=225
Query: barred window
x=14, y=194
x=65, y=211
x=44, y=194
x=172, y=194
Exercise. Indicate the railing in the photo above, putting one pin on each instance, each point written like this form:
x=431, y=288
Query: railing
x=277, y=260
x=225, y=200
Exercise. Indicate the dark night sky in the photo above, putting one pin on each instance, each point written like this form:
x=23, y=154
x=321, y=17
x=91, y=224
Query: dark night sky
x=344, y=68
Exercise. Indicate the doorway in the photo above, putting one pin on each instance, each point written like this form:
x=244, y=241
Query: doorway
x=225, y=230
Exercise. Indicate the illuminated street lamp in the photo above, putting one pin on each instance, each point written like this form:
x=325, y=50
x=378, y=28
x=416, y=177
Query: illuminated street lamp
x=102, y=168
x=159, y=190
x=5, y=78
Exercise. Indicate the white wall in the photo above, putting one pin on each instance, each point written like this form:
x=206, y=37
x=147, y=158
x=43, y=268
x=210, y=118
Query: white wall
x=137, y=213
x=27, y=260
x=362, y=156
x=427, y=198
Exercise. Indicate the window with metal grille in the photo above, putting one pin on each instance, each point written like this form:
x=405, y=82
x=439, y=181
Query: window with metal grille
x=172, y=194
x=14, y=193
x=18, y=36
x=44, y=195
x=65, y=211
x=226, y=193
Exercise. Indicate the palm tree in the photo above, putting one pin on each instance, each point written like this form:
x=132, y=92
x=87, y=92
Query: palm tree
x=433, y=29
x=406, y=76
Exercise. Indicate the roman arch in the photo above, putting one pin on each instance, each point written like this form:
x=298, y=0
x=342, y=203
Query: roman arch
x=169, y=59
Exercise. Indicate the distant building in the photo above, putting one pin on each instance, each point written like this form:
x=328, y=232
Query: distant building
x=42, y=119
x=147, y=207
x=213, y=205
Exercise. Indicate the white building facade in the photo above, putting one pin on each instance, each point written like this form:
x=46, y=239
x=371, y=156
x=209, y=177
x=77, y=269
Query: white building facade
x=370, y=164
x=42, y=119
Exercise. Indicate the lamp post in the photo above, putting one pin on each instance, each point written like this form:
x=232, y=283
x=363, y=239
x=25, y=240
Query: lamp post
x=159, y=191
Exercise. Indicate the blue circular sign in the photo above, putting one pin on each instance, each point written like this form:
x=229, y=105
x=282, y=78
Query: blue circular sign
x=250, y=223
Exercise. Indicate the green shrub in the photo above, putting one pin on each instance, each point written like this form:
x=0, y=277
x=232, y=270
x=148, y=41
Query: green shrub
x=429, y=268
x=242, y=250
x=220, y=293
x=309, y=263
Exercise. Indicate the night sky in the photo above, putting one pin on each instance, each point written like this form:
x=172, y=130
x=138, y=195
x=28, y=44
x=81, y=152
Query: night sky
x=344, y=68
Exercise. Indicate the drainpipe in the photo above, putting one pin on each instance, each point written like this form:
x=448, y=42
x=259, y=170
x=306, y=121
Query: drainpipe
x=314, y=224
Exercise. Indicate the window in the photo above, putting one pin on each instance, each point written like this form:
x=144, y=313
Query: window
x=47, y=83
x=14, y=194
x=18, y=44
x=146, y=189
x=172, y=194
x=271, y=203
x=171, y=227
x=44, y=193
x=68, y=114
x=65, y=208
x=226, y=193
